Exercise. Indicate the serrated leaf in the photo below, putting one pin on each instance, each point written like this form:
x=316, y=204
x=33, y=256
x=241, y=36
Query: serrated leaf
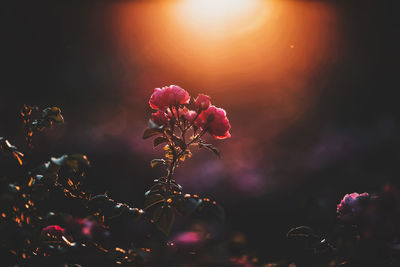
x=155, y=162
x=159, y=140
x=118, y=209
x=51, y=167
x=212, y=210
x=52, y=114
x=304, y=238
x=82, y=159
x=187, y=206
x=212, y=148
x=150, y=132
x=152, y=200
x=59, y=161
x=156, y=215
x=153, y=125
x=301, y=232
x=164, y=219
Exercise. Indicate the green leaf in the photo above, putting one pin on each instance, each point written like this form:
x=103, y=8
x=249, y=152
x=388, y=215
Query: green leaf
x=164, y=218
x=76, y=160
x=152, y=200
x=59, y=161
x=156, y=215
x=159, y=140
x=212, y=148
x=187, y=206
x=211, y=210
x=118, y=209
x=53, y=114
x=155, y=162
x=153, y=125
x=80, y=158
x=157, y=188
x=150, y=132
x=305, y=239
x=179, y=142
x=301, y=232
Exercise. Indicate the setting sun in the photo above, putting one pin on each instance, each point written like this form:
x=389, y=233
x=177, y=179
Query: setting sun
x=216, y=15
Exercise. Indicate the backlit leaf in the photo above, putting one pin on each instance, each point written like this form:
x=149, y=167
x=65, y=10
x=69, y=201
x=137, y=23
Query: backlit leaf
x=155, y=162
x=159, y=140
x=165, y=219
x=150, y=132
x=152, y=200
x=212, y=148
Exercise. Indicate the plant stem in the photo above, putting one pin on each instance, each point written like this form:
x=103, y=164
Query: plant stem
x=177, y=156
x=171, y=168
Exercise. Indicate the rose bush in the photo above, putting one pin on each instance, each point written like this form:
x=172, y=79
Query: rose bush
x=48, y=218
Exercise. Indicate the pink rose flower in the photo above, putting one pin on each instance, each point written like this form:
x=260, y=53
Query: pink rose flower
x=214, y=121
x=163, y=98
x=350, y=208
x=190, y=115
x=53, y=231
x=202, y=102
x=174, y=116
x=159, y=118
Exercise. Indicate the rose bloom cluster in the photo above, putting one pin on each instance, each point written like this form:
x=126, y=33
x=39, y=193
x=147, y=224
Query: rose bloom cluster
x=351, y=206
x=169, y=101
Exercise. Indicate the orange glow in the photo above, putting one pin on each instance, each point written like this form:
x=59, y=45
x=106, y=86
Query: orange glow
x=246, y=54
x=217, y=16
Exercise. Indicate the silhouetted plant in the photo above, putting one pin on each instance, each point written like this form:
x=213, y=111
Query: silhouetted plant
x=179, y=129
x=49, y=217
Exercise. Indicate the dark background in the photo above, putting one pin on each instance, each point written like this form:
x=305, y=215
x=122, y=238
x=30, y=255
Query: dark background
x=277, y=171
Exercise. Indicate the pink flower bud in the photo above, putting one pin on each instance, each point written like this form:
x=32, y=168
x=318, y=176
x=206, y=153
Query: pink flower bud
x=190, y=115
x=159, y=118
x=202, y=102
x=214, y=121
x=163, y=98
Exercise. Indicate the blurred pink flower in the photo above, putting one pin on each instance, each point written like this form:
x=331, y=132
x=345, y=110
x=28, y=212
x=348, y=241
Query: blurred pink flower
x=54, y=231
x=202, y=102
x=159, y=118
x=188, y=238
x=350, y=208
x=86, y=228
x=214, y=121
x=163, y=98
